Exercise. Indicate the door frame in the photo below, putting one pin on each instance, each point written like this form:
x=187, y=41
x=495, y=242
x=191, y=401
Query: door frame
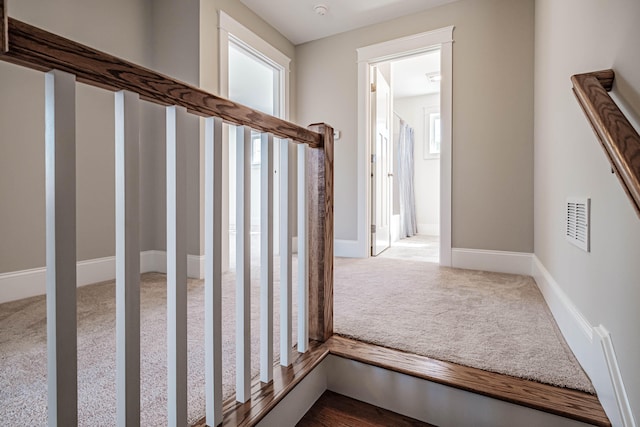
x=231, y=31
x=387, y=51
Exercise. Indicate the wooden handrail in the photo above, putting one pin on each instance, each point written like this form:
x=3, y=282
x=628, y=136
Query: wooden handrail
x=618, y=137
x=35, y=48
x=67, y=62
x=32, y=47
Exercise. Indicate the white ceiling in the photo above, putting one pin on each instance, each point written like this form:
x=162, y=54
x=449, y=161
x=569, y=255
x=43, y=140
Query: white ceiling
x=409, y=76
x=298, y=22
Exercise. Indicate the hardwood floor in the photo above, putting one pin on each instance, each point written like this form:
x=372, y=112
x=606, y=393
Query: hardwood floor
x=336, y=410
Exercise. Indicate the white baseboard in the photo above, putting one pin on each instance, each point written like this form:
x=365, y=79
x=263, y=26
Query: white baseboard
x=22, y=284
x=195, y=266
x=497, y=261
x=32, y=282
x=95, y=270
x=156, y=261
x=430, y=402
x=592, y=347
x=619, y=397
x=153, y=262
x=347, y=248
x=28, y=283
x=299, y=400
x=575, y=328
x=429, y=229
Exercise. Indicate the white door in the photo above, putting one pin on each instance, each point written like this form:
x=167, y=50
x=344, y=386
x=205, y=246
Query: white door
x=380, y=163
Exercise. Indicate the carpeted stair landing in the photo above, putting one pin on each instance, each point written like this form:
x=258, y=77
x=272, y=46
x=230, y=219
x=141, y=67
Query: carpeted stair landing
x=491, y=321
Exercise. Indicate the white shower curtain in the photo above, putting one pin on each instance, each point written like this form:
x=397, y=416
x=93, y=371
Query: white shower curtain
x=405, y=172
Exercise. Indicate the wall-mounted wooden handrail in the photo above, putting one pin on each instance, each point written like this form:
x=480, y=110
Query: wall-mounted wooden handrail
x=35, y=48
x=618, y=137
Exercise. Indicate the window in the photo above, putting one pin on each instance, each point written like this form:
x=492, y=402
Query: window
x=432, y=135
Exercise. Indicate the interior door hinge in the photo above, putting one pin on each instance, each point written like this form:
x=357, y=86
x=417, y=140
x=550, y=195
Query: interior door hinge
x=373, y=228
x=373, y=87
x=373, y=158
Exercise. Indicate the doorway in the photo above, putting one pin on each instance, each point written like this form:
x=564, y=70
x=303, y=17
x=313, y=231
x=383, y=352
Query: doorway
x=406, y=171
x=430, y=122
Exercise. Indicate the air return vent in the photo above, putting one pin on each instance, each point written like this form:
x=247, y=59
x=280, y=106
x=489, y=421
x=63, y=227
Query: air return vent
x=578, y=217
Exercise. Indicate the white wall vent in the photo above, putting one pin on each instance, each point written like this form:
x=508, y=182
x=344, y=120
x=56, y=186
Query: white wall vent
x=578, y=219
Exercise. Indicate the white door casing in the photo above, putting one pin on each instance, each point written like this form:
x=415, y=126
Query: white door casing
x=231, y=31
x=386, y=51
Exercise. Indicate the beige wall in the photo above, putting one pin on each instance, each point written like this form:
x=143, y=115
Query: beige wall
x=186, y=46
x=167, y=35
x=577, y=36
x=22, y=209
x=492, y=115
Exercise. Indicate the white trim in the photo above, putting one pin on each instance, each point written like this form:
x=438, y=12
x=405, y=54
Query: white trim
x=153, y=261
x=574, y=326
x=346, y=248
x=430, y=402
x=195, y=266
x=299, y=400
x=497, y=261
x=393, y=49
x=231, y=26
x=410, y=45
x=17, y=285
x=96, y=270
x=231, y=30
x=591, y=346
x=21, y=284
x=404, y=394
x=619, y=397
x=446, y=150
x=156, y=262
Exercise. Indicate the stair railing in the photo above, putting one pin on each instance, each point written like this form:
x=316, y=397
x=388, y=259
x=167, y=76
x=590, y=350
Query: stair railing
x=65, y=63
x=618, y=137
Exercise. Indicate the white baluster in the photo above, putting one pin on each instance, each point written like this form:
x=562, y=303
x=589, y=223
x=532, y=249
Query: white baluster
x=243, y=264
x=60, y=183
x=285, y=257
x=266, y=253
x=127, y=149
x=303, y=259
x=176, y=266
x=213, y=269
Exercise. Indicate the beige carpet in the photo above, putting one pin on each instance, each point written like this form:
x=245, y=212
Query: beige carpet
x=491, y=321
x=23, y=369
x=497, y=322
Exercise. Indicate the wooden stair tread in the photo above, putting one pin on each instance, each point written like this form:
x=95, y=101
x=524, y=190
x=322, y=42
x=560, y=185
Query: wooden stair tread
x=333, y=409
x=264, y=397
x=564, y=402
x=568, y=403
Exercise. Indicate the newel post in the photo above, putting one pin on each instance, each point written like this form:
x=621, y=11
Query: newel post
x=320, y=208
x=4, y=27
